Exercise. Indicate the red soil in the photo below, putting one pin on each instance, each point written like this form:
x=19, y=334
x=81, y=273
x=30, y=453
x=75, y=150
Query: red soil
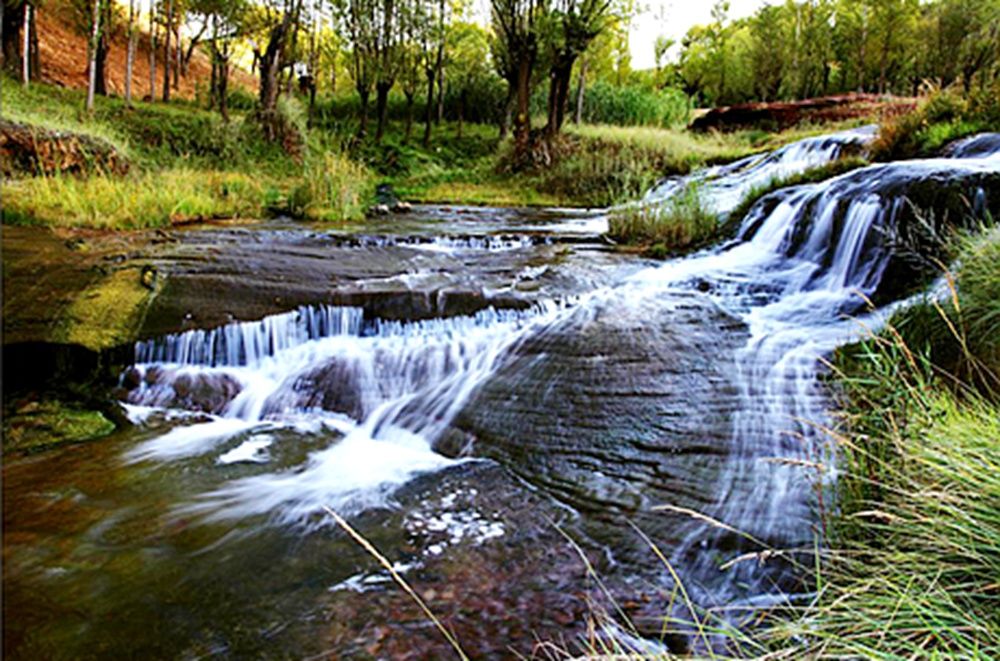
x=63, y=54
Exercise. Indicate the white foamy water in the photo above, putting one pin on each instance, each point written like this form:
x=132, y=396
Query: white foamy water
x=404, y=383
x=384, y=392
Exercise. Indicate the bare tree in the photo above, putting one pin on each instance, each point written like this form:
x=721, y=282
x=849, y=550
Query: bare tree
x=95, y=36
x=130, y=53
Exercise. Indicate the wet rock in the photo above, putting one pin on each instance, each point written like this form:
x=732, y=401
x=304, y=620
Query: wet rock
x=48, y=424
x=625, y=406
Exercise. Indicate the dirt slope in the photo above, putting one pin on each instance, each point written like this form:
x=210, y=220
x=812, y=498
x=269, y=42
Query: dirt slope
x=63, y=51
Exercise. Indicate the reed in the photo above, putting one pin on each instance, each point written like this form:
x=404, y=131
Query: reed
x=681, y=224
x=914, y=553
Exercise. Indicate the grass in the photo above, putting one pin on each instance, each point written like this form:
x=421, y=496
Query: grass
x=915, y=545
x=943, y=117
x=682, y=224
x=187, y=165
x=150, y=199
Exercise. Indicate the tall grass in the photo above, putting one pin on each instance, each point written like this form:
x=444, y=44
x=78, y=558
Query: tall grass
x=631, y=105
x=944, y=116
x=154, y=199
x=914, y=565
x=681, y=224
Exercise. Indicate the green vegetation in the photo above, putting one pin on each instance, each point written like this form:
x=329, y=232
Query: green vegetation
x=797, y=50
x=187, y=165
x=941, y=118
x=915, y=540
x=682, y=224
x=109, y=312
x=40, y=425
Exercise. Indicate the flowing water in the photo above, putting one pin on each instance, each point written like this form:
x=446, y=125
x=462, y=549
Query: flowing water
x=202, y=530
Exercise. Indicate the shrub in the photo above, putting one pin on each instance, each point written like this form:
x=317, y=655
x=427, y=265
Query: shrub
x=943, y=117
x=681, y=224
x=635, y=106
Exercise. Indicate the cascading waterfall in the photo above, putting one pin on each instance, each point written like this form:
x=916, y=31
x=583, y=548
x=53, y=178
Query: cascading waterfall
x=390, y=388
x=806, y=258
x=723, y=187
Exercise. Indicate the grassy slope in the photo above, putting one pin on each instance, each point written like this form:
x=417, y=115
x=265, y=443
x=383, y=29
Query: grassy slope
x=187, y=165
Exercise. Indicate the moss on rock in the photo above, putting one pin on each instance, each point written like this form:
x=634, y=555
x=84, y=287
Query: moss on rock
x=109, y=312
x=40, y=425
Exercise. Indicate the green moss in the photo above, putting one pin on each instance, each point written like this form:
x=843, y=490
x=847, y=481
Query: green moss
x=43, y=425
x=108, y=313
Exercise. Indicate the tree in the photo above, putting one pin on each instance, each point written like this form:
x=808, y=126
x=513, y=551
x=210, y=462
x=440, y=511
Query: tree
x=11, y=25
x=517, y=24
x=130, y=53
x=92, y=57
x=577, y=23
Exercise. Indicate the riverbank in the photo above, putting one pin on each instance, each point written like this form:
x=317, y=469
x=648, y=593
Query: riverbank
x=914, y=534
x=186, y=165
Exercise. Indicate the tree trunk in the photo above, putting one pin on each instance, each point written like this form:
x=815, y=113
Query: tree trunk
x=461, y=112
x=223, y=84
x=429, y=108
x=364, y=93
x=152, y=50
x=270, y=65
x=178, y=53
x=36, y=56
x=440, y=89
x=103, y=47
x=507, y=112
x=130, y=53
x=166, y=50
x=13, y=21
x=408, y=129
x=381, y=107
x=562, y=92
x=26, y=47
x=522, y=120
x=95, y=34
x=581, y=86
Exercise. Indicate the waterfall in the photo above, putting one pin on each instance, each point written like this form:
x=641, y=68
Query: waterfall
x=806, y=260
x=723, y=187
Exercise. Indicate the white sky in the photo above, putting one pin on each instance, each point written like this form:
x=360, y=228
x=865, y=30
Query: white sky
x=673, y=18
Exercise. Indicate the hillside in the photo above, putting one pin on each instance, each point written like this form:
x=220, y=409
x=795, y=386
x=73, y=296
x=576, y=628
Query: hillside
x=63, y=51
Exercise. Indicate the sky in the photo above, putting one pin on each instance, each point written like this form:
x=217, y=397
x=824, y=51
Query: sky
x=673, y=18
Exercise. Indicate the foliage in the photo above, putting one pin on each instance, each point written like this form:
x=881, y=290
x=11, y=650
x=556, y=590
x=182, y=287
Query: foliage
x=605, y=103
x=681, y=224
x=941, y=118
x=802, y=49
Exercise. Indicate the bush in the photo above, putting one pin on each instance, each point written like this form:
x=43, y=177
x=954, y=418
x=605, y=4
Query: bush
x=943, y=117
x=635, y=106
x=681, y=224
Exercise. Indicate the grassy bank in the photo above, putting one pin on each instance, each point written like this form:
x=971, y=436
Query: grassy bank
x=915, y=546
x=186, y=165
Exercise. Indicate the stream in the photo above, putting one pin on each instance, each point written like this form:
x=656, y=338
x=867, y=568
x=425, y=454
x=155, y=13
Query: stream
x=501, y=403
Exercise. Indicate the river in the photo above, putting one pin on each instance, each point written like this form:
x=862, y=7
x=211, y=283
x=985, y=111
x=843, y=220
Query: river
x=537, y=431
